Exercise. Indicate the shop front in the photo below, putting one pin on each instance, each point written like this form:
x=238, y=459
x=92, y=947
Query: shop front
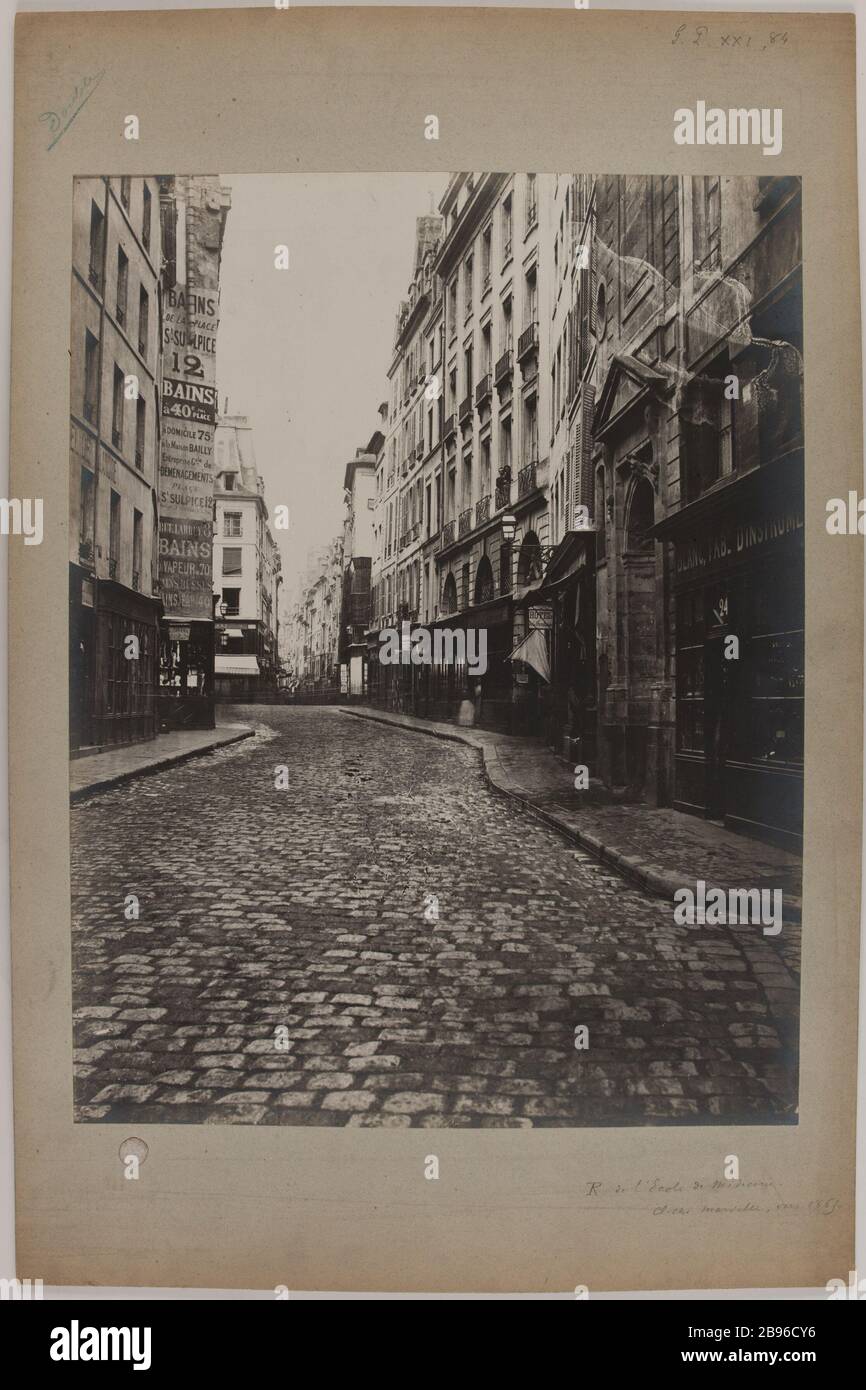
x=739, y=602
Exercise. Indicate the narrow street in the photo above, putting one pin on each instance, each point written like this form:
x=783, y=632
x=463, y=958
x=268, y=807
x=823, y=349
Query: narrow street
x=304, y=909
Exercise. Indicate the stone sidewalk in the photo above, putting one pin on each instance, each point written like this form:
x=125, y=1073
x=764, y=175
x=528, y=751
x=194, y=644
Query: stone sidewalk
x=660, y=849
x=96, y=772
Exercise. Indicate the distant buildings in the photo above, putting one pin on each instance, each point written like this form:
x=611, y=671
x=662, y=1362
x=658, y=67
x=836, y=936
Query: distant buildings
x=314, y=649
x=246, y=570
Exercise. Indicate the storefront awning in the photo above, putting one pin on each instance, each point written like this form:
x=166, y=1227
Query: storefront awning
x=533, y=650
x=228, y=665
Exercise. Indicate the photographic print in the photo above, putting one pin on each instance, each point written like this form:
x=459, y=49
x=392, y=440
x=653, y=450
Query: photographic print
x=436, y=649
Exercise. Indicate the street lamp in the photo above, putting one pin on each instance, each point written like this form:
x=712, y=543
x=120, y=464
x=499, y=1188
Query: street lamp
x=509, y=526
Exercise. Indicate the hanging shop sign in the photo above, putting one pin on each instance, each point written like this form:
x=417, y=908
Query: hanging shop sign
x=541, y=617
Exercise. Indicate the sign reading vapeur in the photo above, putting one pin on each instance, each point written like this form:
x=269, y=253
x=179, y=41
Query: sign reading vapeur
x=189, y=408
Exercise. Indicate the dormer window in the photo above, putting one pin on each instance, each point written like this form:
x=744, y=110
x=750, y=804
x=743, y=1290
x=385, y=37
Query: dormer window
x=229, y=482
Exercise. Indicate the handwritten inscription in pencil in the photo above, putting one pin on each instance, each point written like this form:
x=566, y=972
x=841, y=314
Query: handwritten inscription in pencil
x=59, y=121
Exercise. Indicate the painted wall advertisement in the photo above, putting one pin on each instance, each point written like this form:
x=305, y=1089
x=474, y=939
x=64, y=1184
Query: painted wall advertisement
x=189, y=408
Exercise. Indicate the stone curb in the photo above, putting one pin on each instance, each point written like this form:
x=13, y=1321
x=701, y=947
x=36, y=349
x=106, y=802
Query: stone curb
x=97, y=788
x=662, y=885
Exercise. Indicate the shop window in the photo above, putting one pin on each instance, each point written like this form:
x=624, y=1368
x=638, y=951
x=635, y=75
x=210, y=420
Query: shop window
x=232, y=600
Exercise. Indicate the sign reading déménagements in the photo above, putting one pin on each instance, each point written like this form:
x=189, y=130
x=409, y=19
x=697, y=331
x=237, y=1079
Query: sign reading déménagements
x=189, y=408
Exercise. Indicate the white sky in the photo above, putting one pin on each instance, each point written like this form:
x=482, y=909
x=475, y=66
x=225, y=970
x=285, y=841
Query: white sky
x=304, y=352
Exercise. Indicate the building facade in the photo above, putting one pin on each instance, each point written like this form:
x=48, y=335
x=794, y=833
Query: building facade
x=246, y=570
x=194, y=211
x=615, y=493
x=359, y=492
x=115, y=356
x=316, y=621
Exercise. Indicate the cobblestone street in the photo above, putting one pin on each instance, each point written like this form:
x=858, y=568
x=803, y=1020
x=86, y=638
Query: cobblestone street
x=305, y=908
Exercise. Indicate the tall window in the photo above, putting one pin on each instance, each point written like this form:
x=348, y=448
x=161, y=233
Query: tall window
x=113, y=534
x=143, y=319
x=97, y=245
x=86, y=514
x=125, y=186
x=531, y=202
x=486, y=243
x=467, y=365
x=232, y=523
x=507, y=227
x=140, y=431
x=600, y=517
x=530, y=431
x=707, y=201
x=467, y=286
x=91, y=369
x=232, y=559
x=452, y=308
x=117, y=409
x=137, y=529
x=531, y=297
x=505, y=447
x=122, y=284
x=486, y=351
x=145, y=218
x=507, y=324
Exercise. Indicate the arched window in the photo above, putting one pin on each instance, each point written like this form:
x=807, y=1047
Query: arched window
x=600, y=516
x=529, y=566
x=449, y=595
x=484, y=581
x=641, y=516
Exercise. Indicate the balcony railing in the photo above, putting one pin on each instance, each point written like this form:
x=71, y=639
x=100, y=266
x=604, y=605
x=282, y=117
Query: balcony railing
x=419, y=451
x=85, y=551
x=136, y=581
x=503, y=494
x=527, y=341
x=482, y=390
x=90, y=411
x=448, y=531
x=112, y=569
x=506, y=249
x=531, y=215
x=503, y=369
x=526, y=479
x=139, y=459
x=450, y=426
x=465, y=411
x=464, y=523
x=482, y=510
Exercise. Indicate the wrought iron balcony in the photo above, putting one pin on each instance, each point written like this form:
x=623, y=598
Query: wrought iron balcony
x=526, y=479
x=112, y=569
x=482, y=510
x=503, y=369
x=528, y=341
x=465, y=411
x=450, y=427
x=448, y=533
x=503, y=493
x=464, y=523
x=482, y=390
x=531, y=215
x=506, y=249
x=136, y=581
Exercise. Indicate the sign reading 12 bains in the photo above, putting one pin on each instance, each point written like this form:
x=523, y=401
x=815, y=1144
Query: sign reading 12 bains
x=189, y=407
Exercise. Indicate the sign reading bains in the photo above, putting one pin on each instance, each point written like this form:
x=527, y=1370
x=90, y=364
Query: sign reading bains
x=189, y=408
